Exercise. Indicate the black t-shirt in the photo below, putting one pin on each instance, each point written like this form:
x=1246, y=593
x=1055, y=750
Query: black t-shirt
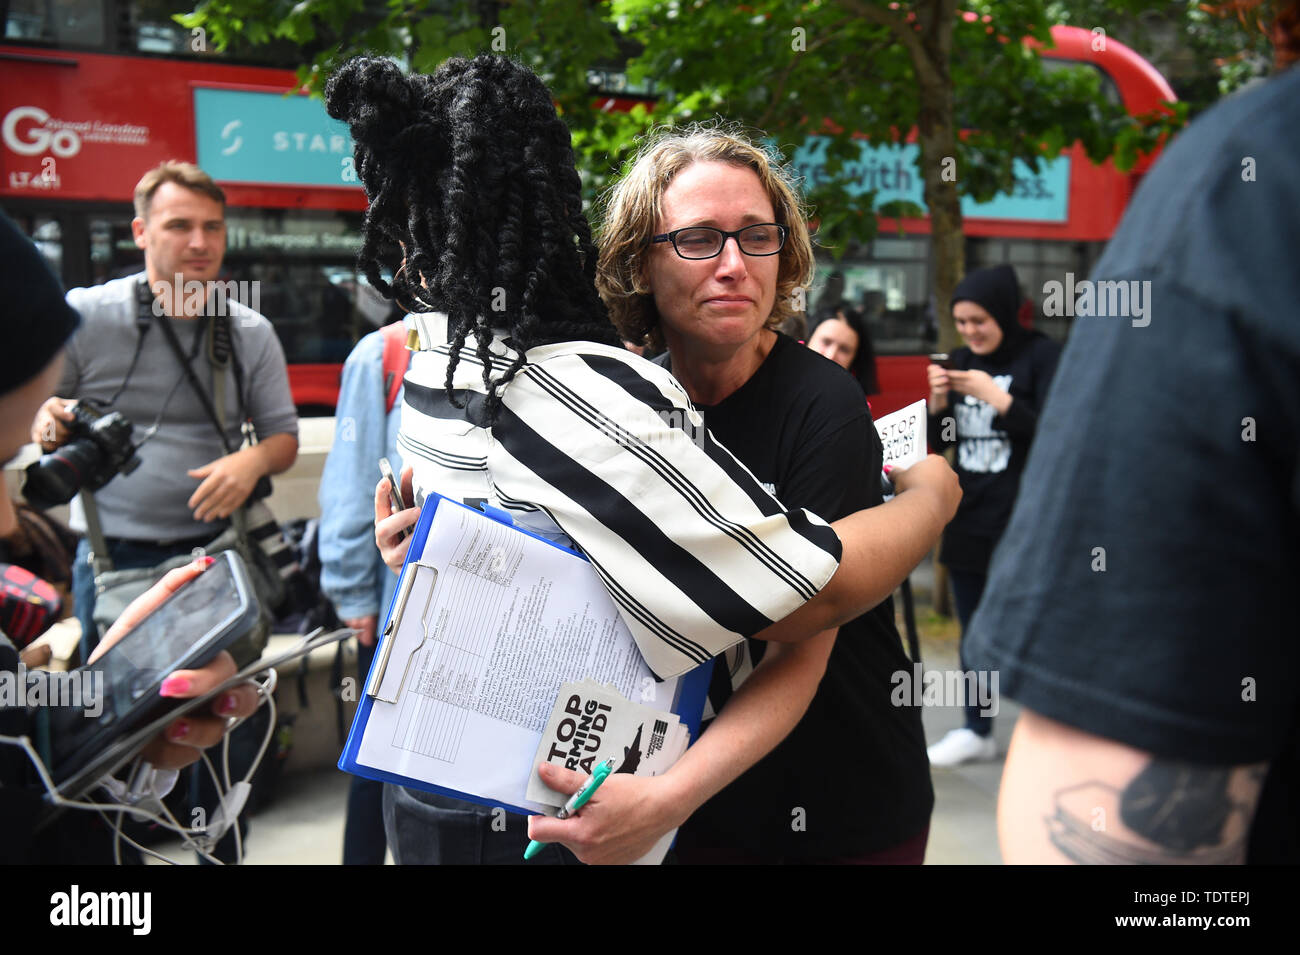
x=1144, y=590
x=855, y=764
x=991, y=448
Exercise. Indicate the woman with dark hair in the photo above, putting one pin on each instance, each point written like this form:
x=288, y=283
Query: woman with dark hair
x=842, y=336
x=520, y=395
x=986, y=403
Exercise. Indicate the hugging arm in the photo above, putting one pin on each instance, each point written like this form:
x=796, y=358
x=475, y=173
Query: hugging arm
x=882, y=545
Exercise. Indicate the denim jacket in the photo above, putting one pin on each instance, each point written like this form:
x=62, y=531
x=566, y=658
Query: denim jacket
x=353, y=575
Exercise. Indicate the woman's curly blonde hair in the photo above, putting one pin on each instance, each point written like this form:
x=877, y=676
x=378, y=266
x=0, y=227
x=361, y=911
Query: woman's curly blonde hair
x=633, y=206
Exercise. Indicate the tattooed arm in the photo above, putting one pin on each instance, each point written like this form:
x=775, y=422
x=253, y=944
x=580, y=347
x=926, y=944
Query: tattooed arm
x=1071, y=797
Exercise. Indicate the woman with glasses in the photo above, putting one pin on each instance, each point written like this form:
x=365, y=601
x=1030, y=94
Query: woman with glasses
x=521, y=396
x=705, y=249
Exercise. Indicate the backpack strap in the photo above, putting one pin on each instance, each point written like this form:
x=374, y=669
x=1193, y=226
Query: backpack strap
x=397, y=358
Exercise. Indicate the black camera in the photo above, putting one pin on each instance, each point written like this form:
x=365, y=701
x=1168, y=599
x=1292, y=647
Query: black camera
x=100, y=449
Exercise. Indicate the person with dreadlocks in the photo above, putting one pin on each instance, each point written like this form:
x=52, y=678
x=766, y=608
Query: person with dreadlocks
x=520, y=395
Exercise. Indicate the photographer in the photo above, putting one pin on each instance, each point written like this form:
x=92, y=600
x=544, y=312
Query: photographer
x=37, y=323
x=188, y=485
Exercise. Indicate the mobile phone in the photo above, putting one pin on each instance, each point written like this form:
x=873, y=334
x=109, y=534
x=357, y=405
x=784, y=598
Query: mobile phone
x=942, y=359
x=394, y=490
x=186, y=631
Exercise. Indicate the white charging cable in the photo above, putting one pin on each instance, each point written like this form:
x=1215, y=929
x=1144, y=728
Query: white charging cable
x=141, y=797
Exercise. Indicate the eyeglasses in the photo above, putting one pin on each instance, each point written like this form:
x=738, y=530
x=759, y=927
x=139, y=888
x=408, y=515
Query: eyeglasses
x=704, y=242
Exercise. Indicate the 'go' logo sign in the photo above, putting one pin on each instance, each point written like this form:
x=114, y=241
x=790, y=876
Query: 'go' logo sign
x=62, y=142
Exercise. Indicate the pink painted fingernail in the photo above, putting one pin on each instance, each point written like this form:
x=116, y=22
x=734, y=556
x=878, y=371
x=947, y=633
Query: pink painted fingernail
x=887, y=468
x=228, y=704
x=174, y=686
x=179, y=731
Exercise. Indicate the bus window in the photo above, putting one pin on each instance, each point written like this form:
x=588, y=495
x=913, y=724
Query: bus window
x=1037, y=262
x=62, y=22
x=147, y=27
x=887, y=280
x=302, y=266
x=47, y=236
x=1108, y=88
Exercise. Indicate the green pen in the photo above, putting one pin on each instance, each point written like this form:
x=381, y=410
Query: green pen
x=576, y=802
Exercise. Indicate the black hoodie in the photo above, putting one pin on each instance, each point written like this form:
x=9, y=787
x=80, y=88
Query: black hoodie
x=992, y=448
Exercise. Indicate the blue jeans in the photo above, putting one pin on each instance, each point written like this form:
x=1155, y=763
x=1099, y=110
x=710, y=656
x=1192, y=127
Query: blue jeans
x=364, y=842
x=428, y=829
x=967, y=589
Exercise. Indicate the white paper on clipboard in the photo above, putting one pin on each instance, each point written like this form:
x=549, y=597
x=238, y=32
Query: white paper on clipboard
x=492, y=622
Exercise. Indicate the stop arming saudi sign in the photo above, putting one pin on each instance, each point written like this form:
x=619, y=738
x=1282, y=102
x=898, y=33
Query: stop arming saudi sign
x=902, y=435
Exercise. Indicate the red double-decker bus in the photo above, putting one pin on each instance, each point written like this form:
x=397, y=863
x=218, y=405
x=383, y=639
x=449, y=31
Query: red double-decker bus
x=94, y=92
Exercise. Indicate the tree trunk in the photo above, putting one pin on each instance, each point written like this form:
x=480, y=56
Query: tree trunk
x=937, y=139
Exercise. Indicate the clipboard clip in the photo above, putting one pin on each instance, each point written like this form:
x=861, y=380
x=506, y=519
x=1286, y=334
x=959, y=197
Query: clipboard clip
x=375, y=683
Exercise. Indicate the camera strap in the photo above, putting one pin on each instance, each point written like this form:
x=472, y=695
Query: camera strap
x=100, y=562
x=143, y=322
x=204, y=399
x=215, y=410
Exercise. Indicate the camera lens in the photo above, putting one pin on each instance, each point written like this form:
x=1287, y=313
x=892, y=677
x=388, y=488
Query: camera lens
x=57, y=476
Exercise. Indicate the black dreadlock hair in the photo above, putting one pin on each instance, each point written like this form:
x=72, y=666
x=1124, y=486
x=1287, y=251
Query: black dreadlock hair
x=471, y=171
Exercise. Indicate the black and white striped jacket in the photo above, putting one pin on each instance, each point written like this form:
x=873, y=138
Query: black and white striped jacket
x=597, y=449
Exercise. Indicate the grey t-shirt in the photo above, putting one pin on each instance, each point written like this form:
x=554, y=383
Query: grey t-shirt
x=149, y=504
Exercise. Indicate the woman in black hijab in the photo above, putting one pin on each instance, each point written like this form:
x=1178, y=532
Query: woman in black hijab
x=987, y=404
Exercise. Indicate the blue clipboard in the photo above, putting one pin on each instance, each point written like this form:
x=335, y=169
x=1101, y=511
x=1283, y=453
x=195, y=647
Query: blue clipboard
x=692, y=689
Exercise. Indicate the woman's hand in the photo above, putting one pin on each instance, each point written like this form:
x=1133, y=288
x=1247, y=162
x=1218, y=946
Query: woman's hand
x=390, y=525
x=939, y=385
x=180, y=743
x=934, y=475
x=622, y=822
x=980, y=384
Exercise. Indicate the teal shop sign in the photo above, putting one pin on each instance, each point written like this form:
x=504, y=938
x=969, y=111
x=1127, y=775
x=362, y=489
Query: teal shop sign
x=254, y=137
x=891, y=170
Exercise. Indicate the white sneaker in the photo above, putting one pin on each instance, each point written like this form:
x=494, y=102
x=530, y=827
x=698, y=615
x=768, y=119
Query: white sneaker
x=962, y=746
